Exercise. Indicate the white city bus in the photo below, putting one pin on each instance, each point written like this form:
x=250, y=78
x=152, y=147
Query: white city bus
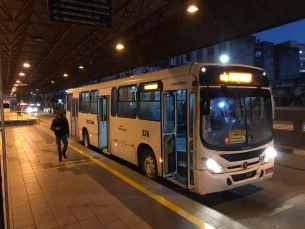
x=206, y=127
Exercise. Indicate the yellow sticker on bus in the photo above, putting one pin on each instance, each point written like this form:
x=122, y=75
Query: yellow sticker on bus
x=237, y=132
x=237, y=139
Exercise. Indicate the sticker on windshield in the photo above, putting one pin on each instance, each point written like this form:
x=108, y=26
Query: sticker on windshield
x=227, y=140
x=250, y=138
x=237, y=132
x=237, y=139
x=234, y=139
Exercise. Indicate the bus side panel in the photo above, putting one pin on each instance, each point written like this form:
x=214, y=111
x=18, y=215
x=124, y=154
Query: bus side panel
x=89, y=121
x=126, y=134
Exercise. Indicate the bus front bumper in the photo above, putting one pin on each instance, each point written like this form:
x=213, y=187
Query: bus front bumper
x=209, y=183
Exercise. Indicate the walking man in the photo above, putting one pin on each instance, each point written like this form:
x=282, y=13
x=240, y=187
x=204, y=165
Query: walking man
x=60, y=126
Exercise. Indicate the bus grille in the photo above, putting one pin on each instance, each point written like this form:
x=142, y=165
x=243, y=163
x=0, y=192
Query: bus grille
x=240, y=166
x=243, y=156
x=243, y=176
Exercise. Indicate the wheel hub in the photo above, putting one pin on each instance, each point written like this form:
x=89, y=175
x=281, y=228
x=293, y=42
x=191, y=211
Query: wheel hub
x=149, y=166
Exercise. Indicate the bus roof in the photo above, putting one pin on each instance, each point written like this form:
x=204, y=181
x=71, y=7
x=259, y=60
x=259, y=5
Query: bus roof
x=155, y=76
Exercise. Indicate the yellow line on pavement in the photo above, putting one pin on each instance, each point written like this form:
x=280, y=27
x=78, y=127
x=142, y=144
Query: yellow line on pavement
x=280, y=209
x=39, y=138
x=158, y=198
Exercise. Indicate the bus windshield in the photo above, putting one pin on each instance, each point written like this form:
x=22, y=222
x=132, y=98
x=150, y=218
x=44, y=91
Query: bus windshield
x=238, y=118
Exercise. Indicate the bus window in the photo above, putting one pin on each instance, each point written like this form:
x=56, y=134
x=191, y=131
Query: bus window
x=149, y=105
x=69, y=99
x=114, y=101
x=169, y=113
x=93, y=102
x=127, y=104
x=85, y=102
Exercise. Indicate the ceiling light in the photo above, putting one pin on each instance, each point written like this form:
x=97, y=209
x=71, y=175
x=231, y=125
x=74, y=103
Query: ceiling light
x=36, y=89
x=192, y=9
x=52, y=81
x=31, y=92
x=38, y=38
x=16, y=85
x=65, y=75
x=26, y=65
x=81, y=67
x=17, y=81
x=119, y=46
x=21, y=74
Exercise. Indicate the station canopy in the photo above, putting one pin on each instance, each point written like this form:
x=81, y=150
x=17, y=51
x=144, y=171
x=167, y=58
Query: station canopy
x=149, y=30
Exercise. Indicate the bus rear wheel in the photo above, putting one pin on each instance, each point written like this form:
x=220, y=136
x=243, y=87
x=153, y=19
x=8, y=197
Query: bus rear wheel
x=149, y=164
x=86, y=139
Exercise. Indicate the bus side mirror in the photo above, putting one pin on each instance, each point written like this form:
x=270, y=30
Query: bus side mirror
x=205, y=107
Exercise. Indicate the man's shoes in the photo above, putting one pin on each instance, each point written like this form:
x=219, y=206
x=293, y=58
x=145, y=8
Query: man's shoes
x=60, y=159
x=64, y=154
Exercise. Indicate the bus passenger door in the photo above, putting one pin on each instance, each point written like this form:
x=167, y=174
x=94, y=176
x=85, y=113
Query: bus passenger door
x=191, y=111
x=169, y=136
x=103, y=117
x=73, y=125
x=76, y=119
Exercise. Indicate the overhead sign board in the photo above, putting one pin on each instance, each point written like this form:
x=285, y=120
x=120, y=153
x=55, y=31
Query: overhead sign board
x=83, y=12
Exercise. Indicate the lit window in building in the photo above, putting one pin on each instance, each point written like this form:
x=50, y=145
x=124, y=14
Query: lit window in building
x=258, y=54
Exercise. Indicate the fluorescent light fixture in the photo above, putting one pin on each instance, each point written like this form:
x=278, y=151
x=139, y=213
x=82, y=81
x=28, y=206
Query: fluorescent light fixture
x=192, y=9
x=119, y=46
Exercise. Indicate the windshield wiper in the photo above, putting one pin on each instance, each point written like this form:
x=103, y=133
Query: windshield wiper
x=252, y=106
x=257, y=95
x=231, y=96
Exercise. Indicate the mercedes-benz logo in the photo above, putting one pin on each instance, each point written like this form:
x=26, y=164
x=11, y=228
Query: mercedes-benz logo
x=245, y=165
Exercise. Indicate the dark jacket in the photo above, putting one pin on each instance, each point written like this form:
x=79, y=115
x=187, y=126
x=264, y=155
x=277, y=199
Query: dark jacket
x=63, y=124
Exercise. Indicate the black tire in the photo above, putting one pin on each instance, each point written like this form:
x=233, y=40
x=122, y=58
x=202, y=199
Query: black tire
x=148, y=160
x=86, y=139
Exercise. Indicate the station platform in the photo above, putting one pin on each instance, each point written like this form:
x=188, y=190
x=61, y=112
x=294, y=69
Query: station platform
x=90, y=190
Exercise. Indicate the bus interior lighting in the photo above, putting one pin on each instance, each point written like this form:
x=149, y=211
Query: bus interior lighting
x=233, y=77
x=151, y=87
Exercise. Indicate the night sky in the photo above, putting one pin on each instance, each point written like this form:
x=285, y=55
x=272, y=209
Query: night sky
x=292, y=31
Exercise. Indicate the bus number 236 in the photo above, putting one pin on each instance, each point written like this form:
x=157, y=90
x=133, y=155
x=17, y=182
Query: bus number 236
x=145, y=133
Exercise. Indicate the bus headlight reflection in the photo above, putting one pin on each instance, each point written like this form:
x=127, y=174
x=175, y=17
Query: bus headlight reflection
x=213, y=167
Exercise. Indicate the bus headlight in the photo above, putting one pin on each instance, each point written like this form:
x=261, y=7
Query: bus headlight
x=212, y=166
x=270, y=154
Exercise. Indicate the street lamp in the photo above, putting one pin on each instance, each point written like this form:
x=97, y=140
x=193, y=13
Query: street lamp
x=224, y=58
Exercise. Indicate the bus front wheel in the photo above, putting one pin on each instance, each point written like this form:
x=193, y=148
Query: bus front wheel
x=86, y=139
x=149, y=164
